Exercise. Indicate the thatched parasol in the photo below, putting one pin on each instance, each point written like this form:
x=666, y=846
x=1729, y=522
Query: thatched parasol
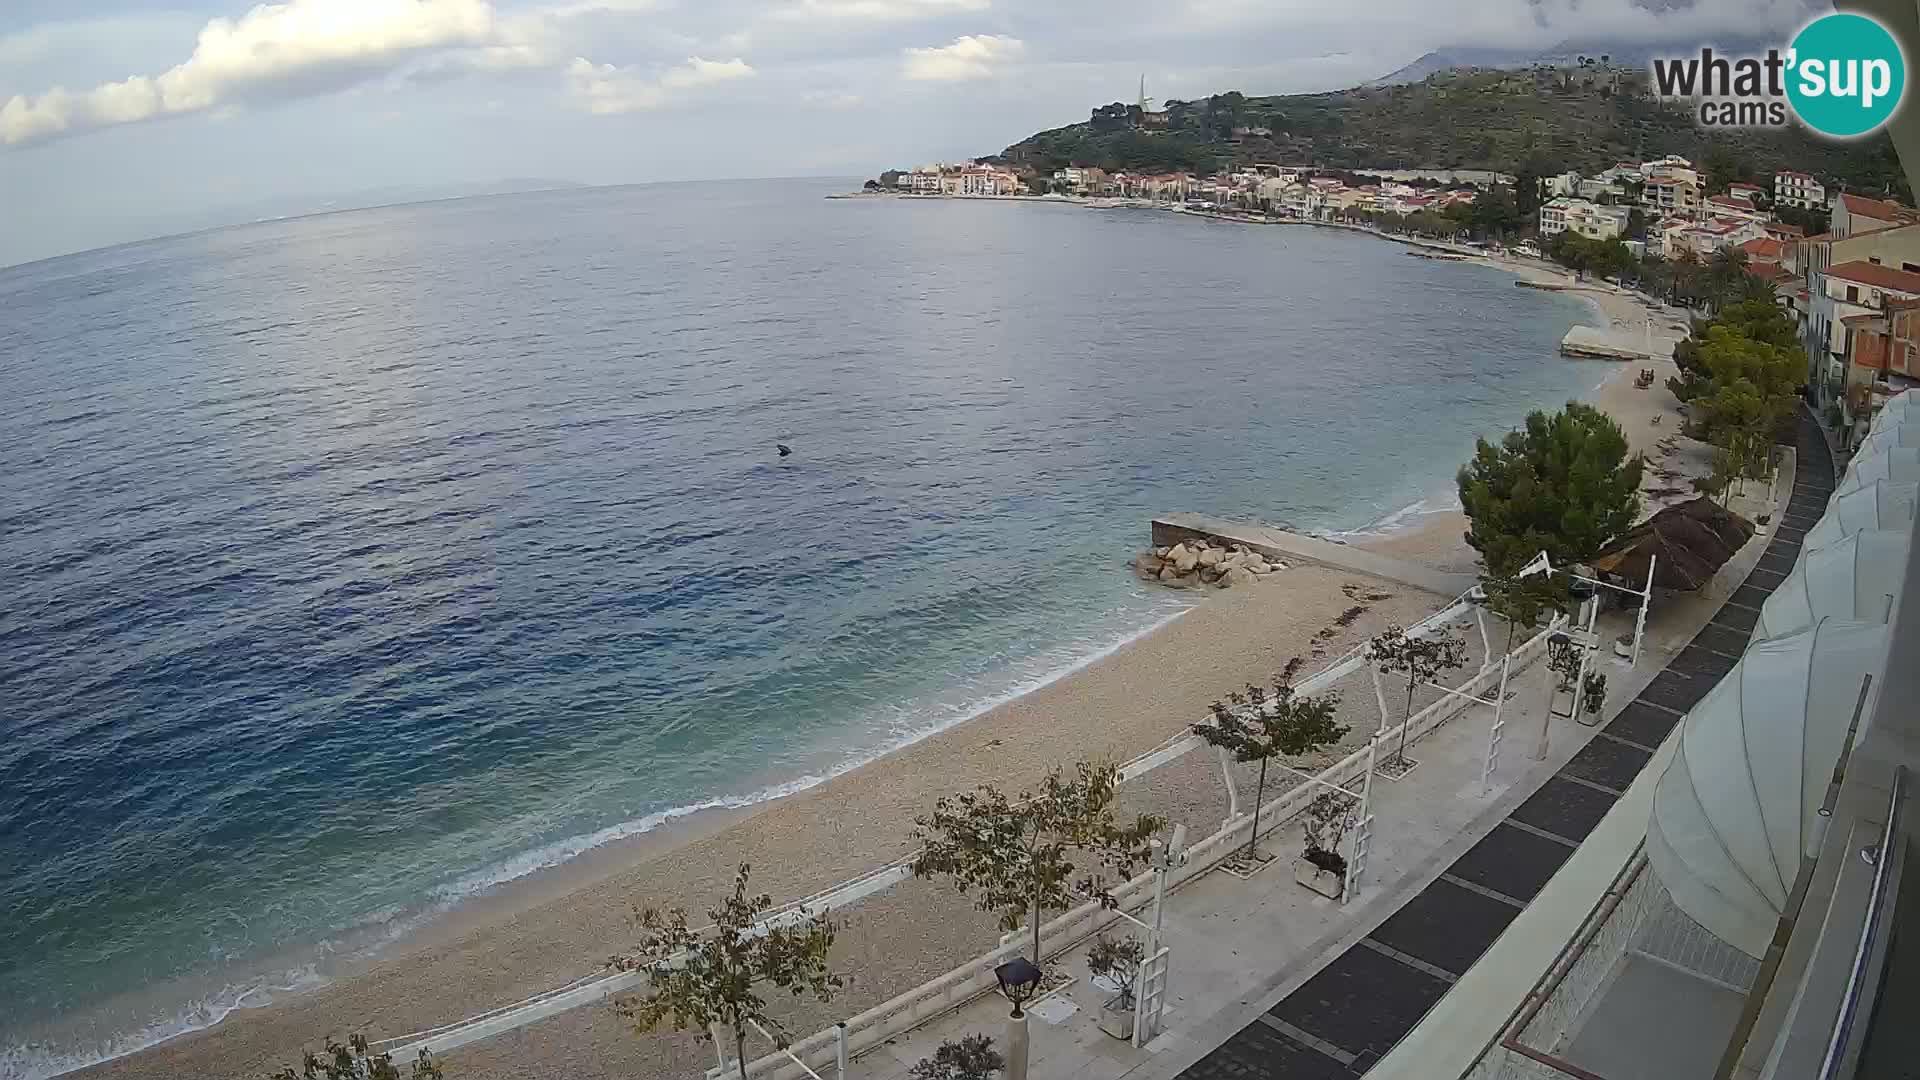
x=1693, y=540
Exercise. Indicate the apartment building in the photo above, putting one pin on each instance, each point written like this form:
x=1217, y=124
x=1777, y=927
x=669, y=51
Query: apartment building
x=1588, y=219
x=1798, y=189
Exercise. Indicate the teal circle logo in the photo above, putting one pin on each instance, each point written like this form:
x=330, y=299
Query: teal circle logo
x=1846, y=75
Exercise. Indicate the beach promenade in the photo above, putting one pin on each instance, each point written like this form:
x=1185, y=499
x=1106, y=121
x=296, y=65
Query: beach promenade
x=1268, y=980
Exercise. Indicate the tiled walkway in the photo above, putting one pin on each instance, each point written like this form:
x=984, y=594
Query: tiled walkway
x=1346, y=1017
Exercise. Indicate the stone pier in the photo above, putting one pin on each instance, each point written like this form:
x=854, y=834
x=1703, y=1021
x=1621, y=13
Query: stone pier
x=1292, y=547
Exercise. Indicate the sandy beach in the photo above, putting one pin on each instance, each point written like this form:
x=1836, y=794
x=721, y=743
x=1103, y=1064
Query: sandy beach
x=559, y=925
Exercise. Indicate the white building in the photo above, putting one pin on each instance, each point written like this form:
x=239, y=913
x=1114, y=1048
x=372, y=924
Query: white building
x=1731, y=206
x=979, y=180
x=1673, y=167
x=1798, y=189
x=1587, y=219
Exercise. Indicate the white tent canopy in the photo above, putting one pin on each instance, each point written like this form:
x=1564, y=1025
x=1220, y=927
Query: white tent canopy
x=1901, y=464
x=1881, y=505
x=1851, y=579
x=1737, y=806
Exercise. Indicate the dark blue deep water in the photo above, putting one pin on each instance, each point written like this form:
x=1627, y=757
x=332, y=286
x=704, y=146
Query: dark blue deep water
x=349, y=565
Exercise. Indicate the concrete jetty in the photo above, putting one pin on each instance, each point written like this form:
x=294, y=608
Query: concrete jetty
x=1588, y=341
x=1296, y=547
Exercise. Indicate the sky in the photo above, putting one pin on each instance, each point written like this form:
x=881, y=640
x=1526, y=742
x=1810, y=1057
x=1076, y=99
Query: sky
x=124, y=119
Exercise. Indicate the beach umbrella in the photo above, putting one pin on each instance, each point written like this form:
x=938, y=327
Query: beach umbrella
x=1852, y=579
x=1738, y=805
x=1691, y=541
x=1896, y=463
x=1884, y=504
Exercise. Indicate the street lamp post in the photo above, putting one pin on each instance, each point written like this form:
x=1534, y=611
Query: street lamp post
x=1019, y=980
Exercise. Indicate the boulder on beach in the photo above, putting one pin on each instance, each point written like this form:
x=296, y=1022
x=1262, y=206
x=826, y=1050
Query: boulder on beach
x=1210, y=557
x=1183, y=560
x=1239, y=575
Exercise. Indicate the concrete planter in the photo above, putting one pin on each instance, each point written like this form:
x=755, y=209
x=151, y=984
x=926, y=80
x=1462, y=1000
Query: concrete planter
x=1328, y=883
x=1116, y=1017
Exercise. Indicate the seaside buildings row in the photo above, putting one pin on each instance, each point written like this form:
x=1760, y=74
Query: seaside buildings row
x=1854, y=292
x=1853, y=288
x=1292, y=190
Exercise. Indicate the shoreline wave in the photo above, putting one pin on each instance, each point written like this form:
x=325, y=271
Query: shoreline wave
x=385, y=929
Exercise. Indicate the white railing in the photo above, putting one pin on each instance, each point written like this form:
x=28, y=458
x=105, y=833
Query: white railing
x=964, y=983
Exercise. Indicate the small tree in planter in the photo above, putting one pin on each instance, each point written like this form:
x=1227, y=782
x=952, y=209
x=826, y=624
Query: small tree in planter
x=1419, y=660
x=1328, y=818
x=1016, y=857
x=702, y=978
x=1255, y=727
x=353, y=1060
x=1116, y=963
x=1518, y=601
x=972, y=1057
x=1563, y=673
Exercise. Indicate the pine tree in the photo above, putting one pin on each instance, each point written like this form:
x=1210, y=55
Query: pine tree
x=1563, y=484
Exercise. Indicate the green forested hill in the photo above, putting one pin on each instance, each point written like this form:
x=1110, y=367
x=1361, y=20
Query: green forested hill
x=1544, y=120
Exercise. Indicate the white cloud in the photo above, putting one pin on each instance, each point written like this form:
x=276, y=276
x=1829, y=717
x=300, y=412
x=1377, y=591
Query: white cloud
x=606, y=90
x=298, y=46
x=974, y=56
x=880, y=10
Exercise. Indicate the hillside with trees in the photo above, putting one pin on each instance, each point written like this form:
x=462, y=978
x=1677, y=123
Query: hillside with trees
x=1542, y=119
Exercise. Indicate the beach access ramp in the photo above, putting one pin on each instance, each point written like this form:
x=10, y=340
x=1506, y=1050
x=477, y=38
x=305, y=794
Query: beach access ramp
x=1296, y=547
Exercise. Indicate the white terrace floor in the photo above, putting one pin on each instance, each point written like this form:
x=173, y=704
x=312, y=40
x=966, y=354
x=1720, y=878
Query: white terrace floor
x=1239, y=946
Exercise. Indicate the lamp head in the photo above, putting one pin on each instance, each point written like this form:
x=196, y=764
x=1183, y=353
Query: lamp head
x=1019, y=979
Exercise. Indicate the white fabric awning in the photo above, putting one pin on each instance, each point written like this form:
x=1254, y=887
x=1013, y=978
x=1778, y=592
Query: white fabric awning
x=1735, y=810
x=1900, y=464
x=1850, y=579
x=1884, y=504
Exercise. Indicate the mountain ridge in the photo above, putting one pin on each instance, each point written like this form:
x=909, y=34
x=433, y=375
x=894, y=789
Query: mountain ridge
x=1538, y=119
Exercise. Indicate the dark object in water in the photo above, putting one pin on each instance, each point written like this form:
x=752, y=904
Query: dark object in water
x=783, y=448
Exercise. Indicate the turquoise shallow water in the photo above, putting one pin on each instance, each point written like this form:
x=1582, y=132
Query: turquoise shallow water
x=359, y=563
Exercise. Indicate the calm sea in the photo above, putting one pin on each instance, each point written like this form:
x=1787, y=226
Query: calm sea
x=355, y=564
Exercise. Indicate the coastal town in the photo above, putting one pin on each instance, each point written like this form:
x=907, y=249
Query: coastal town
x=1846, y=266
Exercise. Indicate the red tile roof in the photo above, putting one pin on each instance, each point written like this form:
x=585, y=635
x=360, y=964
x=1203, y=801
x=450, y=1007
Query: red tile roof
x=1764, y=248
x=1875, y=208
x=1786, y=229
x=1880, y=277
